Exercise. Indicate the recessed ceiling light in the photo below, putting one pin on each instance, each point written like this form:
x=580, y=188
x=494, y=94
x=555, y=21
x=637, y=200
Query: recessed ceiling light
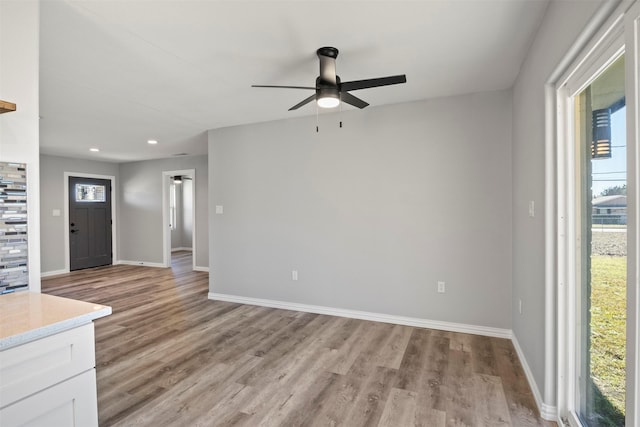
x=152, y=142
x=95, y=150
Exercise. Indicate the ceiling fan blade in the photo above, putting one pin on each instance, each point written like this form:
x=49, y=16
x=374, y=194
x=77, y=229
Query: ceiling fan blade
x=304, y=102
x=286, y=87
x=352, y=100
x=381, y=81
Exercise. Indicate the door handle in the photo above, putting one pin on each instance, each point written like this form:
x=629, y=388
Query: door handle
x=72, y=231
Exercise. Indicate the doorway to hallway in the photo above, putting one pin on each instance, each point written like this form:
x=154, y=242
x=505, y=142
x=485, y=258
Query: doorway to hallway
x=178, y=211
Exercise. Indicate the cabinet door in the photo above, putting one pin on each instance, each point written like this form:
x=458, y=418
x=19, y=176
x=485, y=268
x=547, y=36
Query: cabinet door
x=68, y=404
x=29, y=368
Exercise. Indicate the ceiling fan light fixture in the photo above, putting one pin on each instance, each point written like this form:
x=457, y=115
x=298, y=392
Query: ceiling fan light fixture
x=328, y=102
x=327, y=97
x=177, y=179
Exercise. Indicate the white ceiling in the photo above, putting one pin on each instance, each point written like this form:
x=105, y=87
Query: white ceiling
x=114, y=74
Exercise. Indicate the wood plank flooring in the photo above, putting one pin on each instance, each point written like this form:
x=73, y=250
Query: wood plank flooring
x=167, y=356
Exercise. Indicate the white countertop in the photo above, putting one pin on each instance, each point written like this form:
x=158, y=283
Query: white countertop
x=28, y=316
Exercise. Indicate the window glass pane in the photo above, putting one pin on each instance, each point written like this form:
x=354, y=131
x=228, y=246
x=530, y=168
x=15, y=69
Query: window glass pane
x=90, y=193
x=601, y=264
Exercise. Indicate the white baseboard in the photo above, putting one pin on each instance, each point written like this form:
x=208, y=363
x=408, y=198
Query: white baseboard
x=181, y=249
x=547, y=412
x=197, y=268
x=53, y=273
x=141, y=263
x=365, y=315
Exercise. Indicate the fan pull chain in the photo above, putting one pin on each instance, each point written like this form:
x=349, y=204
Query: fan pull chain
x=340, y=115
x=317, y=130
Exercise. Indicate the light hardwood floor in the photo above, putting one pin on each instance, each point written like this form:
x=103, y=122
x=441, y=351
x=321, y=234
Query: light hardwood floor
x=167, y=356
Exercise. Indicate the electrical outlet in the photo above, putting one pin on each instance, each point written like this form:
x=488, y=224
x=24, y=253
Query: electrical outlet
x=294, y=274
x=441, y=287
x=532, y=209
x=520, y=306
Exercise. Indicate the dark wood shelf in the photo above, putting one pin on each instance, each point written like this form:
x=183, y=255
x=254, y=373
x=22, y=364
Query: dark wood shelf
x=7, y=107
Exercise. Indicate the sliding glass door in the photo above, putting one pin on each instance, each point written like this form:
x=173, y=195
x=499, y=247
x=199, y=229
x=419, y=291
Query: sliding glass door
x=598, y=227
x=601, y=247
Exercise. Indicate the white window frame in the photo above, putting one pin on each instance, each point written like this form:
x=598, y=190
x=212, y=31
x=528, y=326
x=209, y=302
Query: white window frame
x=618, y=33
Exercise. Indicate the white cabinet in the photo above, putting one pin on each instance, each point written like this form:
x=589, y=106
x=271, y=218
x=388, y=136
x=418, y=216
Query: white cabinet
x=70, y=403
x=50, y=382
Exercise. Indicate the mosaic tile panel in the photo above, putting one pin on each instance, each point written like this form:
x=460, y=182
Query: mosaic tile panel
x=13, y=227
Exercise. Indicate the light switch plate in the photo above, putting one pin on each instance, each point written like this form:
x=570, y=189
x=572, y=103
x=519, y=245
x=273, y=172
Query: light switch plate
x=219, y=209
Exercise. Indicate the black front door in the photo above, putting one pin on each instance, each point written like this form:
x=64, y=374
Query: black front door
x=89, y=222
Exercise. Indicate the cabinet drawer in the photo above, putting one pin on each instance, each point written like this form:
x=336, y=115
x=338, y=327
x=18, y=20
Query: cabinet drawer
x=71, y=403
x=31, y=367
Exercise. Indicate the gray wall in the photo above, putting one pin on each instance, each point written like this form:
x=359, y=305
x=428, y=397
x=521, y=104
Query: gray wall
x=52, y=235
x=371, y=215
x=562, y=24
x=140, y=228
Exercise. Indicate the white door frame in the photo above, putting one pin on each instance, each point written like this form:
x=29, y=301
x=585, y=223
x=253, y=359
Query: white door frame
x=114, y=234
x=611, y=36
x=166, y=231
x=632, y=84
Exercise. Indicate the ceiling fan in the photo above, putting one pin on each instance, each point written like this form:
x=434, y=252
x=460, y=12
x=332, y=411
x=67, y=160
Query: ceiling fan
x=179, y=178
x=329, y=90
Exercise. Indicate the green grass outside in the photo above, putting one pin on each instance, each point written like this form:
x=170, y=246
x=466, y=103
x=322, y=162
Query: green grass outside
x=608, y=336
